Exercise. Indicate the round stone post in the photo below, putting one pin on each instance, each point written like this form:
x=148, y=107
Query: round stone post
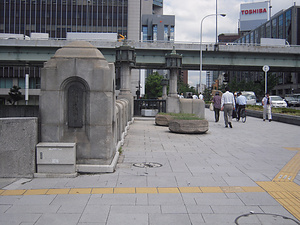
x=164, y=83
x=174, y=64
x=125, y=58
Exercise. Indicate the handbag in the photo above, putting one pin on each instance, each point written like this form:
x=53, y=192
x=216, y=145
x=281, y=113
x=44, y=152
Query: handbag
x=211, y=107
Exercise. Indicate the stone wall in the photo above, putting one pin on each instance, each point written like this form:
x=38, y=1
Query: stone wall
x=18, y=138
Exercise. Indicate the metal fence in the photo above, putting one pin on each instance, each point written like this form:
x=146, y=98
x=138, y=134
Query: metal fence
x=140, y=104
x=19, y=111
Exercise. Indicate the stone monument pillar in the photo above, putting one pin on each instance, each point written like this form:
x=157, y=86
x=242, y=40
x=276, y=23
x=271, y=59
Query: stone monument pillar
x=164, y=83
x=77, y=102
x=125, y=59
x=173, y=63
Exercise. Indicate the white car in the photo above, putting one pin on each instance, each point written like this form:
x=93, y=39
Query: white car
x=277, y=101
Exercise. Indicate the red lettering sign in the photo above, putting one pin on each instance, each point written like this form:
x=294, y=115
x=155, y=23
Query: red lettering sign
x=253, y=11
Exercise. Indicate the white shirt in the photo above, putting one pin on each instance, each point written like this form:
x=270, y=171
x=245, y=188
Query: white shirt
x=265, y=101
x=241, y=100
x=201, y=96
x=227, y=98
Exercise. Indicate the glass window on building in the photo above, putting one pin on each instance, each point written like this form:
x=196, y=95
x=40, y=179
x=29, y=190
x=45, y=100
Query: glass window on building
x=154, y=30
x=172, y=36
x=166, y=33
x=21, y=83
x=34, y=83
x=145, y=33
x=252, y=37
x=262, y=31
x=280, y=27
x=280, y=78
x=288, y=26
x=248, y=38
x=6, y=83
x=256, y=37
x=274, y=28
x=268, y=30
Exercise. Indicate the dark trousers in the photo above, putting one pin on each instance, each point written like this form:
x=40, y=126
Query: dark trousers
x=240, y=107
x=217, y=114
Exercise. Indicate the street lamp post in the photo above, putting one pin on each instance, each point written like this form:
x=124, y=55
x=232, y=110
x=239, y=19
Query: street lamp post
x=223, y=15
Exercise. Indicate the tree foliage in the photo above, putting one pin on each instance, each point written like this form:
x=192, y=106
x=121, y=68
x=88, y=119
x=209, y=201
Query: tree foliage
x=258, y=88
x=14, y=95
x=153, y=87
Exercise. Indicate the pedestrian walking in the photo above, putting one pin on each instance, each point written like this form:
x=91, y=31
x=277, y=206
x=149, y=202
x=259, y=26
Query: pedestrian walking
x=267, y=104
x=228, y=105
x=201, y=96
x=241, y=102
x=217, y=106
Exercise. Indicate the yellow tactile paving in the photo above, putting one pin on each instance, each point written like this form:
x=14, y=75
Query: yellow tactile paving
x=290, y=170
x=58, y=191
x=1, y=191
x=289, y=186
x=190, y=190
x=80, y=191
x=232, y=189
x=102, y=191
x=36, y=192
x=270, y=186
x=168, y=190
x=253, y=189
x=146, y=190
x=292, y=149
x=211, y=190
x=13, y=192
x=124, y=190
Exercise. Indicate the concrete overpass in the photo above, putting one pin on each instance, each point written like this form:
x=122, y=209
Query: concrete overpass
x=152, y=54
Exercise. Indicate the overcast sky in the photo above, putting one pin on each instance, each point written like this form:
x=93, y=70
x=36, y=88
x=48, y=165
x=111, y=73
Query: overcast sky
x=189, y=13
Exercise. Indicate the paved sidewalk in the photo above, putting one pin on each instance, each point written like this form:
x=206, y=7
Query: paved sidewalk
x=206, y=179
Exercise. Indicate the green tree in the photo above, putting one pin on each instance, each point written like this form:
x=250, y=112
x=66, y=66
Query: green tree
x=153, y=87
x=14, y=95
x=257, y=87
x=207, y=95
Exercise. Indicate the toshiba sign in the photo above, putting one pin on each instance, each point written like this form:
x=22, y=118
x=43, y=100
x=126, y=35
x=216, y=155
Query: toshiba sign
x=253, y=15
x=253, y=11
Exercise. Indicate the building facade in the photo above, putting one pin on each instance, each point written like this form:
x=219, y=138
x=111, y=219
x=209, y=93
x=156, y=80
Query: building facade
x=56, y=18
x=283, y=25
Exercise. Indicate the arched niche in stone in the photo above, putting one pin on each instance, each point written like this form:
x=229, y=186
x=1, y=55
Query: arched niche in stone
x=76, y=102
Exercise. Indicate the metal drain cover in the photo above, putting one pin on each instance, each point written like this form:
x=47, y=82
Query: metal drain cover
x=147, y=165
x=265, y=218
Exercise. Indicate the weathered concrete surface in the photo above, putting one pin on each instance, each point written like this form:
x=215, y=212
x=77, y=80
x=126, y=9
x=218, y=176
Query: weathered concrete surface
x=193, y=106
x=77, y=102
x=18, y=138
x=188, y=126
x=162, y=120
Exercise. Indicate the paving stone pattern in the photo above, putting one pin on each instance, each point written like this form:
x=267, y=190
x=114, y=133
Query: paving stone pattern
x=207, y=179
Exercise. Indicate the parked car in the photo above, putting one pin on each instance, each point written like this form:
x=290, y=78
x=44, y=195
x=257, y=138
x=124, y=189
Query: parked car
x=277, y=101
x=250, y=96
x=297, y=96
x=291, y=101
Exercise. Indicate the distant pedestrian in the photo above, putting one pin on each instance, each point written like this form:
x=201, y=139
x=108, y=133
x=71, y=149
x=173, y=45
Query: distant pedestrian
x=201, y=96
x=195, y=97
x=181, y=95
x=227, y=104
x=189, y=95
x=241, y=102
x=267, y=104
x=217, y=106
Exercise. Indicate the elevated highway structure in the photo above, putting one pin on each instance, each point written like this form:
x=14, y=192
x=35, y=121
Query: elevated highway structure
x=151, y=55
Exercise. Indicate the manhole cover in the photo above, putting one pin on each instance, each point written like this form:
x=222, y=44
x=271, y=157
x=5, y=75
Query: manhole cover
x=147, y=165
x=265, y=218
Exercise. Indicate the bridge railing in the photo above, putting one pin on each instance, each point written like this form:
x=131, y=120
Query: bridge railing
x=140, y=104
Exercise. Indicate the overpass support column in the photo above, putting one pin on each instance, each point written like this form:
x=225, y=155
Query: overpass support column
x=125, y=59
x=173, y=63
